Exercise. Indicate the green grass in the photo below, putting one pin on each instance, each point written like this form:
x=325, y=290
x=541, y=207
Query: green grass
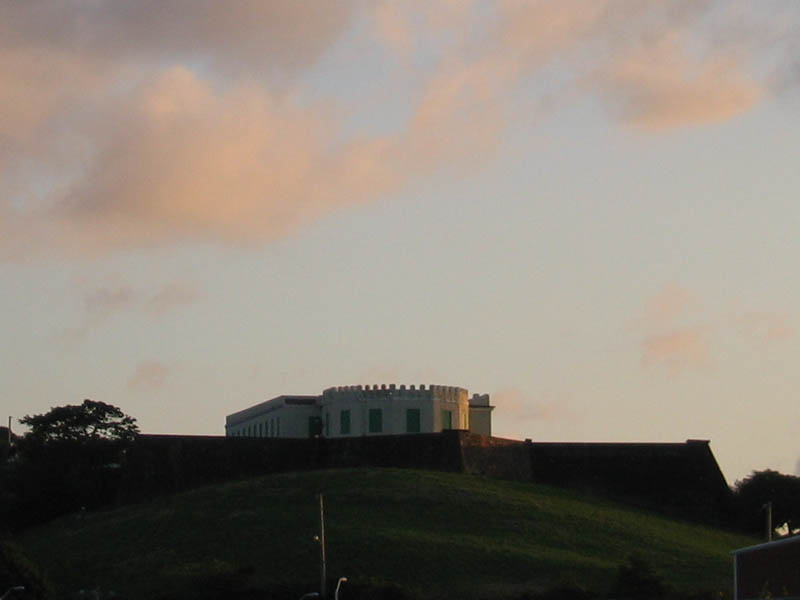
x=434, y=533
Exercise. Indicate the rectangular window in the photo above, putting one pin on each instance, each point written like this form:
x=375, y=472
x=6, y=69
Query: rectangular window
x=344, y=422
x=327, y=424
x=261, y=430
x=412, y=420
x=375, y=420
x=447, y=419
x=314, y=427
x=277, y=427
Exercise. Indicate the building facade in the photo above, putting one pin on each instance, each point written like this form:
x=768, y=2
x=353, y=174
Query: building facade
x=769, y=570
x=357, y=410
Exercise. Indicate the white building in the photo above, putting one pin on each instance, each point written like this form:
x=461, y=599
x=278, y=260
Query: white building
x=365, y=410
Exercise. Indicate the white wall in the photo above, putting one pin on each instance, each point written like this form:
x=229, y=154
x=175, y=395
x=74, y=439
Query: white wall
x=278, y=420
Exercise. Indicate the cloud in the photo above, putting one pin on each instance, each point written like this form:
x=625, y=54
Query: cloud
x=393, y=27
x=103, y=301
x=672, y=302
x=680, y=334
x=127, y=125
x=763, y=326
x=659, y=87
x=280, y=34
x=180, y=161
x=149, y=376
x=171, y=296
x=678, y=350
x=100, y=305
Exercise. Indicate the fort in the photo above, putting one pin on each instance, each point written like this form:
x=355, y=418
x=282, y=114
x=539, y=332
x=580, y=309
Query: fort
x=680, y=479
x=426, y=427
x=359, y=410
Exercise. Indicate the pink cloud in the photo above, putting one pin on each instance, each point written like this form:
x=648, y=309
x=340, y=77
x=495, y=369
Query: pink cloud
x=672, y=302
x=180, y=161
x=660, y=86
x=763, y=326
x=149, y=375
x=132, y=144
x=678, y=350
x=680, y=335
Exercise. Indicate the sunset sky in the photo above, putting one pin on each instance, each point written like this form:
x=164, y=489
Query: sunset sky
x=585, y=208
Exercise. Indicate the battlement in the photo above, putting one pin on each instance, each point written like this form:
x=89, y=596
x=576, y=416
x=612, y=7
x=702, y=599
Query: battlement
x=393, y=390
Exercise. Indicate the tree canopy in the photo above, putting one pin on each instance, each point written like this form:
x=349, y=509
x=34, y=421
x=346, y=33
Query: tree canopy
x=761, y=487
x=88, y=421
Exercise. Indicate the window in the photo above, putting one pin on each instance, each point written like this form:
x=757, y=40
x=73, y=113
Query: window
x=412, y=420
x=447, y=419
x=277, y=427
x=327, y=424
x=261, y=430
x=375, y=420
x=344, y=422
x=314, y=426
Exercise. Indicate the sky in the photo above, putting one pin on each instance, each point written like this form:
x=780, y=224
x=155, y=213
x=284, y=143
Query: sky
x=585, y=208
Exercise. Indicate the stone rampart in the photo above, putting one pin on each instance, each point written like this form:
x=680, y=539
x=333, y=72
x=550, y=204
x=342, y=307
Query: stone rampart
x=681, y=479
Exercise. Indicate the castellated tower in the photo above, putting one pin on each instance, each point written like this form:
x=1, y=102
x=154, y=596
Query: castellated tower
x=392, y=409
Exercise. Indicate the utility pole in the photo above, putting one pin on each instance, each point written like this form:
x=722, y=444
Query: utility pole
x=323, y=575
x=768, y=507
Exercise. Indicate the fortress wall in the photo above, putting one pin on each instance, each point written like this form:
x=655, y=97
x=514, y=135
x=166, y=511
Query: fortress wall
x=676, y=478
x=168, y=463
x=680, y=479
x=435, y=451
x=496, y=457
x=159, y=464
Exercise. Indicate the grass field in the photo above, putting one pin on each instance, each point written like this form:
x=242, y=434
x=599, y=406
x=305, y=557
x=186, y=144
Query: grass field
x=436, y=534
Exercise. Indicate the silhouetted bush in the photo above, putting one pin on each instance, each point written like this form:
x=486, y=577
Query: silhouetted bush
x=368, y=589
x=567, y=592
x=16, y=570
x=636, y=580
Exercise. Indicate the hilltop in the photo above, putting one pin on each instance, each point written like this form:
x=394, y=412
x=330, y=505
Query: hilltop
x=433, y=533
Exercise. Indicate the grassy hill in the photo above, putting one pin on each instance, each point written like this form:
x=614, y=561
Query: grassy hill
x=433, y=533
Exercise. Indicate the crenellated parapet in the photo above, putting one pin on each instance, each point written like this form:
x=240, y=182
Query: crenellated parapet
x=431, y=391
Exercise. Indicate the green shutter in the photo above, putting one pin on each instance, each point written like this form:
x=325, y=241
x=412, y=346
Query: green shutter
x=447, y=419
x=344, y=422
x=412, y=420
x=375, y=420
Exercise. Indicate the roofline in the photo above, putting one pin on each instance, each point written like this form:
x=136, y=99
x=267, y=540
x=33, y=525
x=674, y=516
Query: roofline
x=635, y=443
x=267, y=406
x=786, y=540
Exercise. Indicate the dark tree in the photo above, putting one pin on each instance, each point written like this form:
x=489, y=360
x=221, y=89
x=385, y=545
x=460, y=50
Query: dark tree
x=88, y=421
x=761, y=487
x=72, y=458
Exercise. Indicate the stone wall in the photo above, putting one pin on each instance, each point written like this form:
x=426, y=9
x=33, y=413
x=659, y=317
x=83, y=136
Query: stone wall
x=680, y=479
